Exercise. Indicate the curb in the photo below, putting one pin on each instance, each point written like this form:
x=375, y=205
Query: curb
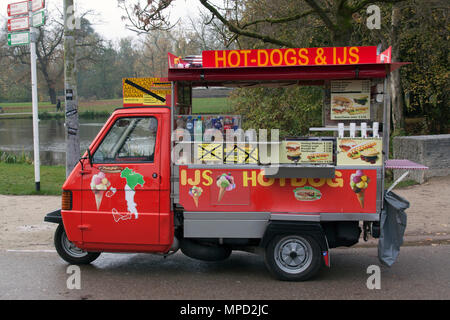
x=411, y=240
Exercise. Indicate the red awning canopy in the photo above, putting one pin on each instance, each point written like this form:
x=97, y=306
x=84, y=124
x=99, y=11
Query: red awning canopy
x=301, y=74
x=201, y=71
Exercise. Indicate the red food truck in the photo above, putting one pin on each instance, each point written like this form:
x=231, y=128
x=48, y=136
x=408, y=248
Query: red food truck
x=158, y=178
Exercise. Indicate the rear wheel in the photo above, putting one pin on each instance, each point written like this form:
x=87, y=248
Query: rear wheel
x=69, y=252
x=293, y=257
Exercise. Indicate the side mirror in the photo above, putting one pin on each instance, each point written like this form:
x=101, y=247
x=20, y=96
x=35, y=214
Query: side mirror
x=89, y=156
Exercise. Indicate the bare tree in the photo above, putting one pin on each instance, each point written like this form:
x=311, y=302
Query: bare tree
x=335, y=15
x=147, y=15
x=50, y=51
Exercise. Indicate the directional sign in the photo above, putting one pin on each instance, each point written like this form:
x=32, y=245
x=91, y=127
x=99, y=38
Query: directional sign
x=18, y=8
x=19, y=38
x=16, y=24
x=37, y=5
x=38, y=19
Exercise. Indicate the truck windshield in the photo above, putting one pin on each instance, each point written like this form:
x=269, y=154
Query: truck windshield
x=128, y=140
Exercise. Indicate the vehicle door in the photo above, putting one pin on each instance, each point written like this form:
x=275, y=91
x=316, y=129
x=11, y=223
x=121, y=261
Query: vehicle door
x=120, y=188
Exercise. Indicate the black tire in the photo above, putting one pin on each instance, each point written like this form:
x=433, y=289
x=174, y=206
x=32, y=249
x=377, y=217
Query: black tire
x=204, y=252
x=293, y=257
x=69, y=252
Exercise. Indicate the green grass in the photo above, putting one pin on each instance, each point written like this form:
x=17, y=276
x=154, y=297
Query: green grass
x=401, y=184
x=18, y=179
x=211, y=105
x=103, y=108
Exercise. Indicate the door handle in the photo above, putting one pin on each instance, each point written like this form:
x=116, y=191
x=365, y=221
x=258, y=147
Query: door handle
x=154, y=175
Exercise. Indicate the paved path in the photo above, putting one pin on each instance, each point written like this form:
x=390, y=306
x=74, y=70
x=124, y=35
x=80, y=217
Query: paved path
x=420, y=273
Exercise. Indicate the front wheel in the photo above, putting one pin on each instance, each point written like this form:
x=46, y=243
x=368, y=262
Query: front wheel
x=293, y=257
x=69, y=252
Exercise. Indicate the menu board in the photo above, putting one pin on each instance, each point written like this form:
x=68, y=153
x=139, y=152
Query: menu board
x=303, y=151
x=236, y=153
x=350, y=100
x=359, y=152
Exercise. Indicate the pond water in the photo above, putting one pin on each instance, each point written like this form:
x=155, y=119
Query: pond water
x=16, y=136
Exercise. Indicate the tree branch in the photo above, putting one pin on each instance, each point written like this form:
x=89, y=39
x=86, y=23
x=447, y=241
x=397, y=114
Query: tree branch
x=322, y=14
x=279, y=20
x=235, y=29
x=364, y=3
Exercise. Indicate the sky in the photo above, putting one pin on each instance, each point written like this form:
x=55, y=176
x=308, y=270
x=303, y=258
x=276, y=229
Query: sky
x=107, y=20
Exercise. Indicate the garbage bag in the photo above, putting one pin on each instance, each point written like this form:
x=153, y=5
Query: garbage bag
x=392, y=228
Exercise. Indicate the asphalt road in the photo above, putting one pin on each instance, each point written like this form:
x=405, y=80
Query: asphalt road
x=421, y=273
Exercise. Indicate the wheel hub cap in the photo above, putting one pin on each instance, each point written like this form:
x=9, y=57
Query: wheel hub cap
x=293, y=255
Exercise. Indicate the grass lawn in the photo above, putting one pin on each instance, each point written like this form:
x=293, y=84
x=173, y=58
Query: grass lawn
x=401, y=184
x=83, y=106
x=18, y=179
x=211, y=105
x=200, y=105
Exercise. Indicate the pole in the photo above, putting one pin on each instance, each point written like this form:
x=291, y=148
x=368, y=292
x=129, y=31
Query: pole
x=34, y=96
x=70, y=86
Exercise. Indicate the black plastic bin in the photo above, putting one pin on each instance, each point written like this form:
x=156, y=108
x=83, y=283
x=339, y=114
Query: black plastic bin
x=392, y=228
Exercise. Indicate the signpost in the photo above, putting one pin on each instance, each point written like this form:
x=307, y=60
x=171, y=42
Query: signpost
x=19, y=38
x=17, y=24
x=23, y=13
x=37, y=5
x=38, y=19
x=18, y=8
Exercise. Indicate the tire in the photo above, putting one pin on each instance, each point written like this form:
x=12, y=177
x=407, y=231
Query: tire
x=69, y=252
x=204, y=252
x=293, y=257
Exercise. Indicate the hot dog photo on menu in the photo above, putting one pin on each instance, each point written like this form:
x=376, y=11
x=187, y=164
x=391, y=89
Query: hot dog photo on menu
x=354, y=151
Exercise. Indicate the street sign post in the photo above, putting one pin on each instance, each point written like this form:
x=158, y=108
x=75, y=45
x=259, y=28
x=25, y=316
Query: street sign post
x=28, y=36
x=18, y=38
x=18, y=8
x=37, y=5
x=17, y=24
x=38, y=19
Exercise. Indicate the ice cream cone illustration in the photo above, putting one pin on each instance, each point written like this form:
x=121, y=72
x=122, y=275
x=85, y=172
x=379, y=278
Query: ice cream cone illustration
x=99, y=185
x=225, y=182
x=359, y=183
x=222, y=191
x=98, y=198
x=196, y=201
x=195, y=192
x=360, y=196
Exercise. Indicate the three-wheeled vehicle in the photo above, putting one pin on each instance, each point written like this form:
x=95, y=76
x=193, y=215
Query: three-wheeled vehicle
x=158, y=178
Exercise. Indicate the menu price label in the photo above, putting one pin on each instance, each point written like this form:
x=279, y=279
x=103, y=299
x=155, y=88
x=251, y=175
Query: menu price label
x=306, y=152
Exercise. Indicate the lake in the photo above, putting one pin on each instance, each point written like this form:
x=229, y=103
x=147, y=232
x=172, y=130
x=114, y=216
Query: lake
x=16, y=136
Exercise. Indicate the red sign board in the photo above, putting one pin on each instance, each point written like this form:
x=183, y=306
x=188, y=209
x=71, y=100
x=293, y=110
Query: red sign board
x=238, y=190
x=16, y=24
x=18, y=8
x=289, y=57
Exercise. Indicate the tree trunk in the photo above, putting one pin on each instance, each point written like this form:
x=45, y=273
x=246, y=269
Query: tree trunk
x=70, y=89
x=52, y=95
x=395, y=83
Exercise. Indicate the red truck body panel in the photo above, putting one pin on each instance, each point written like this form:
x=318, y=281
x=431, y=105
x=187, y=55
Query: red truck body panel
x=255, y=193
